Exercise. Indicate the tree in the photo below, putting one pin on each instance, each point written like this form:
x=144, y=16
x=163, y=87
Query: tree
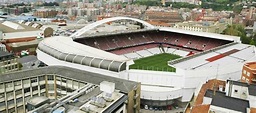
x=237, y=30
x=148, y=2
x=181, y=5
x=252, y=42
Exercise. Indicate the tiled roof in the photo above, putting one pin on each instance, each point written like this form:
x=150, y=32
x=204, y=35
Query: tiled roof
x=208, y=85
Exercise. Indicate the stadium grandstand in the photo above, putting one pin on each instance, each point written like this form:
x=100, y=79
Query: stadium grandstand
x=183, y=59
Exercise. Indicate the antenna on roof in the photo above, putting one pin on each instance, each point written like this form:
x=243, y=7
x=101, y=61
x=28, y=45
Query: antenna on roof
x=215, y=81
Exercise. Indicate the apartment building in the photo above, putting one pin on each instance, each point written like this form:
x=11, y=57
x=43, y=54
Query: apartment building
x=249, y=73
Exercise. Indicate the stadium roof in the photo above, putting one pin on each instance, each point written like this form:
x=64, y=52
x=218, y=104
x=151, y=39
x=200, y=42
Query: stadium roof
x=202, y=34
x=100, y=22
x=64, y=48
x=244, y=53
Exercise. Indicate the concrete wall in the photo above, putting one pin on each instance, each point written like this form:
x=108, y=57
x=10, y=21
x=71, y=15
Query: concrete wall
x=239, y=92
x=230, y=71
x=156, y=78
x=207, y=100
x=252, y=101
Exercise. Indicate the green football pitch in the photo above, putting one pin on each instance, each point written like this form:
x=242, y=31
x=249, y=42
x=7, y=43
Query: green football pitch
x=156, y=62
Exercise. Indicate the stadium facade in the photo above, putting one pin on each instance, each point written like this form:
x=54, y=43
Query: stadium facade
x=204, y=56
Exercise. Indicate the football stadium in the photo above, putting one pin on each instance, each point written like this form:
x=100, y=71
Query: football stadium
x=169, y=63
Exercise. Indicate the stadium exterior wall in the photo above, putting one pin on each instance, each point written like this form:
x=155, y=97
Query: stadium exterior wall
x=223, y=72
x=157, y=78
x=173, y=82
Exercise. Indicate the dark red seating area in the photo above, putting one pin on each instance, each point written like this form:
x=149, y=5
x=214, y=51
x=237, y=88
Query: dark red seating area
x=125, y=43
x=133, y=49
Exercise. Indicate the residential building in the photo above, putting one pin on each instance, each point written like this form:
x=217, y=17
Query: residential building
x=45, y=13
x=160, y=24
x=17, y=10
x=8, y=62
x=249, y=73
x=203, y=26
x=163, y=16
x=52, y=88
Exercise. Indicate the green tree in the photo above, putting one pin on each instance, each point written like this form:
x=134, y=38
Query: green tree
x=181, y=5
x=252, y=42
x=148, y=2
x=237, y=30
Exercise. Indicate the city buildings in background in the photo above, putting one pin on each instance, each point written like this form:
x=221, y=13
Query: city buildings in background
x=22, y=36
x=203, y=26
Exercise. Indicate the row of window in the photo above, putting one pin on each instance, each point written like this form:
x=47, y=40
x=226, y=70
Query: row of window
x=10, y=67
x=247, y=73
x=33, y=87
x=5, y=62
x=246, y=79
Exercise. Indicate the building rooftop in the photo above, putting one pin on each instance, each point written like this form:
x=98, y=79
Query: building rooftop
x=238, y=83
x=106, y=105
x=3, y=53
x=205, y=87
x=210, y=93
x=8, y=27
x=220, y=100
x=252, y=89
x=79, y=75
x=19, y=44
x=251, y=65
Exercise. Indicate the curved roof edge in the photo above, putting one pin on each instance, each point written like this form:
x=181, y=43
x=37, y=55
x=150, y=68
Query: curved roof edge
x=97, y=23
x=202, y=34
x=110, y=65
